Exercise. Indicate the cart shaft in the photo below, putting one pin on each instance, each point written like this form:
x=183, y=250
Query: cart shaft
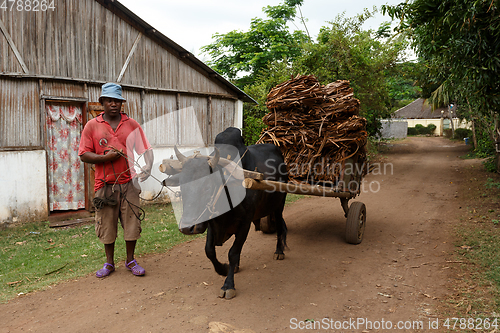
x=306, y=189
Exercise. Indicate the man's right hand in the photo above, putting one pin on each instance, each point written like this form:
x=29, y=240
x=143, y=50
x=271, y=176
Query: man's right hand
x=112, y=155
x=94, y=158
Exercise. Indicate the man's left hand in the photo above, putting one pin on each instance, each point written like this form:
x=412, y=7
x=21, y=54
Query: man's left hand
x=144, y=174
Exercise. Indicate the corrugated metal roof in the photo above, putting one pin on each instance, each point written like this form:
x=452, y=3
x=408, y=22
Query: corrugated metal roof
x=126, y=14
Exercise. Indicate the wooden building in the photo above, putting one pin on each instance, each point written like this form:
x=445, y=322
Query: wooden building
x=53, y=61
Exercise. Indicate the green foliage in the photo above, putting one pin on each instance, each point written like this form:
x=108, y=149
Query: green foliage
x=266, y=41
x=462, y=133
x=485, y=146
x=412, y=131
x=345, y=51
x=490, y=164
x=252, y=129
x=268, y=53
x=420, y=129
x=402, y=85
x=490, y=183
x=268, y=78
x=431, y=128
x=459, y=42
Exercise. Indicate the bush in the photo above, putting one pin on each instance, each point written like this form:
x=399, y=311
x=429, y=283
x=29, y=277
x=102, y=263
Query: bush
x=462, y=133
x=431, y=128
x=412, y=131
x=421, y=129
x=252, y=129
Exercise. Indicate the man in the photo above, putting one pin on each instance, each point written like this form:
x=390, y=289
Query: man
x=108, y=141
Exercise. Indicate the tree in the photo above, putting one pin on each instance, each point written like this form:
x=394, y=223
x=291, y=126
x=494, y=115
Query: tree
x=403, y=84
x=266, y=41
x=268, y=54
x=344, y=51
x=459, y=41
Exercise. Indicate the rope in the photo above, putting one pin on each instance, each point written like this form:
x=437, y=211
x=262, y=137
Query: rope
x=138, y=165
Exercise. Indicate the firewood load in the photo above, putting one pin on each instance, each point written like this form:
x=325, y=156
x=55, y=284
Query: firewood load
x=316, y=127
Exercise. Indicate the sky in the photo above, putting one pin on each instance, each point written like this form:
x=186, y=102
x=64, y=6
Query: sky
x=192, y=23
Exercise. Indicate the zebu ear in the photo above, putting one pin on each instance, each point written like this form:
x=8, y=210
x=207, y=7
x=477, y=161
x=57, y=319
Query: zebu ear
x=172, y=181
x=214, y=160
x=180, y=157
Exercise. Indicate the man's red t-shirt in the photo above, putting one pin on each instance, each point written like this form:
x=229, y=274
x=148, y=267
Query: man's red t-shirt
x=98, y=137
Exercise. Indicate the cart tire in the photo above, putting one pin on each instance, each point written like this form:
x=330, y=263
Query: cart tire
x=356, y=222
x=268, y=225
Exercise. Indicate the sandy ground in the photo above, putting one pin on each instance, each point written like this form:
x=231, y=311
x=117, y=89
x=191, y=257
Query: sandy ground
x=396, y=277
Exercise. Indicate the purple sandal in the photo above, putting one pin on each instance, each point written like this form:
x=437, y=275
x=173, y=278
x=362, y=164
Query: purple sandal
x=105, y=271
x=136, y=269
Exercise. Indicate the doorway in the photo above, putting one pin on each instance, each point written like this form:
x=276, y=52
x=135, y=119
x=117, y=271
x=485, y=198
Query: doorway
x=66, y=178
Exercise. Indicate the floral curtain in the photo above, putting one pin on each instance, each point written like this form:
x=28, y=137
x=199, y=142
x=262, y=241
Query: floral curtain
x=66, y=178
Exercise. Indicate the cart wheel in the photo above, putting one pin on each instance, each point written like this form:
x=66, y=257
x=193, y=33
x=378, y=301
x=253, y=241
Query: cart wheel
x=268, y=225
x=356, y=222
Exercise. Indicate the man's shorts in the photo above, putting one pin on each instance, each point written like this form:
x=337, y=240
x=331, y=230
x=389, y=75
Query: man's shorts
x=126, y=209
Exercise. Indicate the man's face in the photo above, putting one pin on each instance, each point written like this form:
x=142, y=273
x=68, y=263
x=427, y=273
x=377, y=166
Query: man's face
x=112, y=106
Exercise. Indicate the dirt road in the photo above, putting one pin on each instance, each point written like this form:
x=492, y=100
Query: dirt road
x=396, y=276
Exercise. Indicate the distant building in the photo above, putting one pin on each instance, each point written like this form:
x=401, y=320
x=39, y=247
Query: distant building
x=418, y=112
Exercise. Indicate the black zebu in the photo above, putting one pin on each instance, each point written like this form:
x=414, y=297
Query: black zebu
x=197, y=185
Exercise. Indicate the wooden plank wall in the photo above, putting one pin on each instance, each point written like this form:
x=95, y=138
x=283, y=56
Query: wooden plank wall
x=93, y=46
x=223, y=116
x=160, y=121
x=19, y=114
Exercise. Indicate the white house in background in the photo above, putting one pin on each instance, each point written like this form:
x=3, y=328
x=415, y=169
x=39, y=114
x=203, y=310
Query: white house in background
x=52, y=65
x=418, y=112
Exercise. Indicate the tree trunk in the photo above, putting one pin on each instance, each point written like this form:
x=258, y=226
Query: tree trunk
x=496, y=138
x=474, y=138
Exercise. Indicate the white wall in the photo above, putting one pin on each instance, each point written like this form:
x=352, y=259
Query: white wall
x=23, y=186
x=438, y=122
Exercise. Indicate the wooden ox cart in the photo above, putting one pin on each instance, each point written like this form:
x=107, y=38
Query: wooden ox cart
x=346, y=188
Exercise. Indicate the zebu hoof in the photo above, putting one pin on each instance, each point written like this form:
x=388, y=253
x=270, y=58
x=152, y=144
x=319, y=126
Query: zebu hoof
x=279, y=256
x=228, y=294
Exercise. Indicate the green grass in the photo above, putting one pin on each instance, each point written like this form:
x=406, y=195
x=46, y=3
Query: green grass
x=485, y=251
x=291, y=198
x=478, y=246
x=34, y=256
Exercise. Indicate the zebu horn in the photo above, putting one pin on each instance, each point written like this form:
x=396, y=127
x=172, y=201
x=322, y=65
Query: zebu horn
x=180, y=157
x=214, y=160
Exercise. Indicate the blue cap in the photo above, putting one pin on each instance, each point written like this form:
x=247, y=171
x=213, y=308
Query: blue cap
x=112, y=90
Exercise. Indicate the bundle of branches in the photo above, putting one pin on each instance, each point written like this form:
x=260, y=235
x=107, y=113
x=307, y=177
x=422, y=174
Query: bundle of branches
x=316, y=127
